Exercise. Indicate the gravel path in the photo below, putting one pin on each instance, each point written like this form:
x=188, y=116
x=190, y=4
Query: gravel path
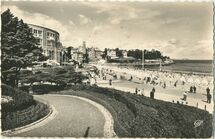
x=75, y=118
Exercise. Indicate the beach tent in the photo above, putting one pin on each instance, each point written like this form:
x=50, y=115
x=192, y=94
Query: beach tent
x=198, y=80
x=204, y=81
x=152, y=76
x=211, y=83
x=177, y=79
x=177, y=76
x=190, y=80
x=163, y=76
x=169, y=78
x=142, y=74
x=182, y=79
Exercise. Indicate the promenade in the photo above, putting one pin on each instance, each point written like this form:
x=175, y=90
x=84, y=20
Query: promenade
x=75, y=118
x=170, y=93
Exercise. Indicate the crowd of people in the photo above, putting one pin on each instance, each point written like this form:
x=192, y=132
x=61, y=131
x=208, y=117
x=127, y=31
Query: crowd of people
x=142, y=93
x=163, y=79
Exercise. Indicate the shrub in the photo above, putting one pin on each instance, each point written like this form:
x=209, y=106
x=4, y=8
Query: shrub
x=21, y=110
x=139, y=116
x=11, y=120
x=20, y=99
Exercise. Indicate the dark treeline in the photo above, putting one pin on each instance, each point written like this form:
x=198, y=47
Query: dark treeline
x=137, y=54
x=153, y=54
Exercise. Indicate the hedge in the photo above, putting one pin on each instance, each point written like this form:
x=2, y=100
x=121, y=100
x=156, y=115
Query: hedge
x=11, y=120
x=22, y=110
x=140, y=116
x=20, y=99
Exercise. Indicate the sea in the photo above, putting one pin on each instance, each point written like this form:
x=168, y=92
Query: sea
x=197, y=66
x=185, y=66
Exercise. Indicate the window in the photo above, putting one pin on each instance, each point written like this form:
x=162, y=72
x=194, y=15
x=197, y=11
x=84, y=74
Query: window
x=47, y=33
x=39, y=32
x=35, y=31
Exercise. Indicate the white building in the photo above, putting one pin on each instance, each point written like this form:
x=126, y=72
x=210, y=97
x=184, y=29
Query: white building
x=125, y=53
x=82, y=48
x=111, y=53
x=49, y=41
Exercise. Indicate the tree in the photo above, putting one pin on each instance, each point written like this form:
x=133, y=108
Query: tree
x=69, y=49
x=104, y=55
x=119, y=53
x=60, y=76
x=135, y=53
x=19, y=47
x=153, y=54
x=86, y=57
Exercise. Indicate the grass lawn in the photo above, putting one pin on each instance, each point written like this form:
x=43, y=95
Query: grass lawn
x=139, y=116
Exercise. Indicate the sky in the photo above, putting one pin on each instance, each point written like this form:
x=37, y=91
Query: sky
x=178, y=29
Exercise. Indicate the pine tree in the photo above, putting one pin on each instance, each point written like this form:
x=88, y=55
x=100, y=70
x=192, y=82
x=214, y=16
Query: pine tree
x=19, y=47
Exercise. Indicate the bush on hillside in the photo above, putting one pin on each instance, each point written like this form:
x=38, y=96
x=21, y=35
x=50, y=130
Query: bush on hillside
x=60, y=76
x=11, y=120
x=20, y=99
x=22, y=110
x=139, y=116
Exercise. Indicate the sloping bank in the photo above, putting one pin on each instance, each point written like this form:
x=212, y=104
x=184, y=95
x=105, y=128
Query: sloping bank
x=21, y=111
x=139, y=116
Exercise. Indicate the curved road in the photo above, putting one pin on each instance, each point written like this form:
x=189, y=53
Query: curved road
x=75, y=118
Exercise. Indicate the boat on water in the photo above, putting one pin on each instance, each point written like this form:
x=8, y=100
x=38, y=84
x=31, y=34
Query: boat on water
x=168, y=62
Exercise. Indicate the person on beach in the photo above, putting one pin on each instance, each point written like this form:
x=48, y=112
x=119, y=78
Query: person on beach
x=175, y=84
x=153, y=89
x=183, y=82
x=136, y=90
x=185, y=96
x=148, y=79
x=208, y=90
x=142, y=92
x=208, y=98
x=152, y=93
x=110, y=82
x=164, y=85
x=131, y=78
x=191, y=89
x=208, y=95
x=194, y=89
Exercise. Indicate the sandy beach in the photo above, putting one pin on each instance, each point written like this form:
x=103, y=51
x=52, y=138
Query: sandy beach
x=128, y=79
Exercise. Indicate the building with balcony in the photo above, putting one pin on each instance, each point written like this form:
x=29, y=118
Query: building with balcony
x=91, y=53
x=49, y=41
x=94, y=54
x=82, y=48
x=98, y=54
x=111, y=53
